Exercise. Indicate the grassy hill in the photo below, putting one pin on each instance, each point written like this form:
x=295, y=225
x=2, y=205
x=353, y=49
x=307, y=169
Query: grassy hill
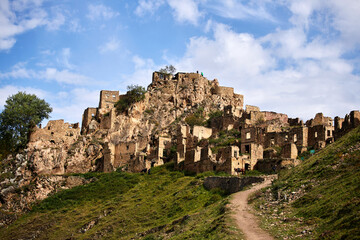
x=163, y=205
x=319, y=199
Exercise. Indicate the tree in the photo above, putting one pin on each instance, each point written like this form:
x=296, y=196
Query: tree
x=22, y=112
x=170, y=69
x=134, y=94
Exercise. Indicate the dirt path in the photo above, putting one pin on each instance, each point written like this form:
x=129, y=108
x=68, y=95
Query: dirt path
x=246, y=221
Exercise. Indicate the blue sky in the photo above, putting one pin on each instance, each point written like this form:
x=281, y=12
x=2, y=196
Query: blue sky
x=294, y=57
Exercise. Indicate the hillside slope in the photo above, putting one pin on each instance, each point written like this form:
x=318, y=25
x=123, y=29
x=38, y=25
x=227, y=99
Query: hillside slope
x=163, y=205
x=319, y=199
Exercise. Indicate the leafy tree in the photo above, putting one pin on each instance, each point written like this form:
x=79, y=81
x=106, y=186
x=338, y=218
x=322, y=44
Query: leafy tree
x=21, y=113
x=134, y=94
x=170, y=69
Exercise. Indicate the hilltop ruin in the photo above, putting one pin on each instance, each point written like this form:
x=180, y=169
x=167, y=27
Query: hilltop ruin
x=161, y=128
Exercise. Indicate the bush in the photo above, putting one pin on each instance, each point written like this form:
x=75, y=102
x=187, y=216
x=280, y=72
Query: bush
x=134, y=94
x=197, y=118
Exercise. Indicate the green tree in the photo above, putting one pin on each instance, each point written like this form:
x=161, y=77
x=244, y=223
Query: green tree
x=134, y=94
x=170, y=69
x=22, y=112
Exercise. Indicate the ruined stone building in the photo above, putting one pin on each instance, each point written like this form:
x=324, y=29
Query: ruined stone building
x=225, y=137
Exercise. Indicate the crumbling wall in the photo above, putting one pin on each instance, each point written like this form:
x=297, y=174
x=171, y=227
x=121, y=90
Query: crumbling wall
x=57, y=131
x=107, y=100
x=289, y=151
x=344, y=125
x=202, y=132
x=299, y=136
x=319, y=119
x=273, y=115
x=250, y=108
x=124, y=153
x=88, y=115
x=107, y=120
x=223, y=91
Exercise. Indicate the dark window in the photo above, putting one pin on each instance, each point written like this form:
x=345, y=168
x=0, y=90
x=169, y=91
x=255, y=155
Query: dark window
x=247, y=148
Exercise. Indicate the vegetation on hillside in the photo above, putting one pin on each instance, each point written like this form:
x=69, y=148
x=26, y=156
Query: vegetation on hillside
x=319, y=199
x=163, y=205
x=21, y=113
x=169, y=69
x=134, y=94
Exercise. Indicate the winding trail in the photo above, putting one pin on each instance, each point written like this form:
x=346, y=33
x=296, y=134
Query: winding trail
x=245, y=220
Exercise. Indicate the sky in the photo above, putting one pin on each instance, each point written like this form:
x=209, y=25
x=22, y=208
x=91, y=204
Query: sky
x=293, y=57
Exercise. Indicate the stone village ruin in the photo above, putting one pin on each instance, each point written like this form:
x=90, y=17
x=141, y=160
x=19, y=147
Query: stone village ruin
x=156, y=130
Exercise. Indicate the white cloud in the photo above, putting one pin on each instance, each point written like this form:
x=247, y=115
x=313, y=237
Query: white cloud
x=110, y=46
x=239, y=9
x=291, y=74
x=237, y=55
x=64, y=58
x=341, y=16
x=7, y=91
x=19, y=16
x=142, y=75
x=18, y=71
x=100, y=11
x=75, y=26
x=66, y=105
x=22, y=5
x=49, y=74
x=55, y=23
x=185, y=10
x=63, y=76
x=71, y=105
x=12, y=25
x=146, y=6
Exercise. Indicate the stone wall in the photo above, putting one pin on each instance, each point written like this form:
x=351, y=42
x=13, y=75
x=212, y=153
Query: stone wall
x=344, y=125
x=289, y=151
x=319, y=119
x=107, y=100
x=56, y=131
x=283, y=118
x=202, y=132
x=275, y=164
x=230, y=184
x=88, y=115
x=223, y=91
x=250, y=108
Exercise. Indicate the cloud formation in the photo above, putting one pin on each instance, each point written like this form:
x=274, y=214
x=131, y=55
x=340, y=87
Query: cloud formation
x=112, y=45
x=184, y=11
x=100, y=11
x=19, y=71
x=285, y=71
x=19, y=16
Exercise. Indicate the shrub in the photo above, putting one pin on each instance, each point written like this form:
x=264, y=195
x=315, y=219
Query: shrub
x=134, y=94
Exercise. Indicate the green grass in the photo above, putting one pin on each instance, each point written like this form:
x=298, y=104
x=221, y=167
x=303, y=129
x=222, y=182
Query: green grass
x=328, y=184
x=164, y=205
